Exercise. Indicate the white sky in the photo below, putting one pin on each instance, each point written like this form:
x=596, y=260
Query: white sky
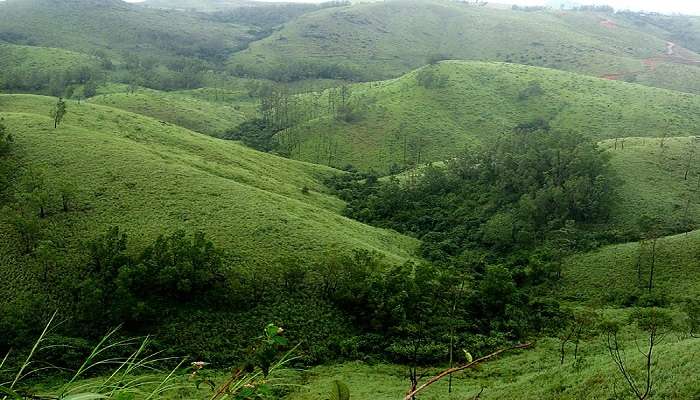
x=665, y=6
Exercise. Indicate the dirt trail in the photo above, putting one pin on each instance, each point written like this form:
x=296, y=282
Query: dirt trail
x=651, y=63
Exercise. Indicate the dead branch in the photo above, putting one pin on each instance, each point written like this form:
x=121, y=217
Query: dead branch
x=449, y=371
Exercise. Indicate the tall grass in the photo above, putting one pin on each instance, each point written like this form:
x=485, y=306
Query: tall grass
x=138, y=375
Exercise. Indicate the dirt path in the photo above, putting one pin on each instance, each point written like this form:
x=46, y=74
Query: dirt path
x=651, y=63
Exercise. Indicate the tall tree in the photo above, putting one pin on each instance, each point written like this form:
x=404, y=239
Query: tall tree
x=58, y=112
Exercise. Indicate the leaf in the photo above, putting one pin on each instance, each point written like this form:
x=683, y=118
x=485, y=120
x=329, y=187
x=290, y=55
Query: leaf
x=85, y=396
x=339, y=391
x=468, y=356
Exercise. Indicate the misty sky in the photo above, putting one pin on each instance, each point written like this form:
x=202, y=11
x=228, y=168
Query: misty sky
x=664, y=6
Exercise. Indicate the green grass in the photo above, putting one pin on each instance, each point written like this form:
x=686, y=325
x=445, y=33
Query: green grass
x=380, y=40
x=40, y=59
x=531, y=374
x=151, y=177
x=653, y=180
x=482, y=100
x=115, y=27
x=195, y=112
x=609, y=274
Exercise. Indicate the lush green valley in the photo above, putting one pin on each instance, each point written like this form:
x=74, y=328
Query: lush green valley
x=214, y=199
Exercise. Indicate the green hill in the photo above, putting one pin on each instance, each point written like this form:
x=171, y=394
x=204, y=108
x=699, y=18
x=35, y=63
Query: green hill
x=150, y=177
x=194, y=112
x=30, y=68
x=114, y=26
x=610, y=274
x=379, y=40
x=403, y=122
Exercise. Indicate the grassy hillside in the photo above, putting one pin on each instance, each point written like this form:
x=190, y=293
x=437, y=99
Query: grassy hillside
x=532, y=374
x=194, y=112
x=40, y=59
x=653, y=179
x=199, y=5
x=114, y=26
x=150, y=177
x=610, y=274
x=385, y=39
x=405, y=122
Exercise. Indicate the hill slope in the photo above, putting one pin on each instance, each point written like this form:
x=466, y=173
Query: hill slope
x=385, y=39
x=114, y=26
x=181, y=108
x=533, y=375
x=150, y=177
x=405, y=122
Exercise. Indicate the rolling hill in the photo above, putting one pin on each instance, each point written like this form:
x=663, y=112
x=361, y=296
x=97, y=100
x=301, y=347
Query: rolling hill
x=115, y=27
x=403, y=122
x=194, y=112
x=150, y=177
x=379, y=40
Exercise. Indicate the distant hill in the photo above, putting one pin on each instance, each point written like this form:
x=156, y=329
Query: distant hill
x=402, y=122
x=115, y=27
x=380, y=40
x=198, y=5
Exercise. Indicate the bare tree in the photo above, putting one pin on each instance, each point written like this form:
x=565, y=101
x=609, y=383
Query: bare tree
x=656, y=323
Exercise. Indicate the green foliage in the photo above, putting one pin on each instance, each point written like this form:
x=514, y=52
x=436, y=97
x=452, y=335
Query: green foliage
x=529, y=182
x=6, y=141
x=255, y=133
x=58, y=112
x=430, y=79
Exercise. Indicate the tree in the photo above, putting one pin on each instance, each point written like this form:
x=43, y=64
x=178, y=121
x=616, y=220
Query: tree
x=651, y=230
x=6, y=141
x=27, y=225
x=58, y=112
x=46, y=257
x=577, y=326
x=655, y=323
x=89, y=89
x=36, y=191
x=66, y=190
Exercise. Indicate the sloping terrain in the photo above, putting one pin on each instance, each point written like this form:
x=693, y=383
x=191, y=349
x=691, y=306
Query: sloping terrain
x=379, y=40
x=114, y=26
x=532, y=374
x=193, y=112
x=403, y=122
x=150, y=178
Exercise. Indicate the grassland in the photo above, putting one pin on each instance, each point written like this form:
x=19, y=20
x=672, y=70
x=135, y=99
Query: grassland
x=531, y=374
x=381, y=40
x=151, y=177
x=404, y=119
x=40, y=59
x=194, y=110
x=114, y=26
